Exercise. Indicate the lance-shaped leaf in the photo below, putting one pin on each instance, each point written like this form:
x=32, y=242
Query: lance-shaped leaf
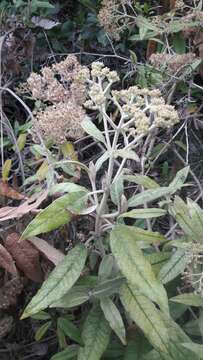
x=77, y=295
x=42, y=330
x=190, y=299
x=116, y=190
x=158, y=259
x=180, y=211
x=107, y=287
x=69, y=329
x=196, y=348
x=144, y=313
x=154, y=194
x=56, y=214
x=92, y=130
x=67, y=187
x=176, y=337
x=69, y=353
x=144, y=213
x=59, y=282
x=143, y=180
x=146, y=237
x=114, y=318
x=173, y=267
x=179, y=179
x=135, y=267
x=148, y=196
x=95, y=335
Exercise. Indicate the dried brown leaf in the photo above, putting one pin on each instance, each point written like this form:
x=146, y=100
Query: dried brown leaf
x=6, y=261
x=9, y=212
x=25, y=255
x=8, y=191
x=52, y=254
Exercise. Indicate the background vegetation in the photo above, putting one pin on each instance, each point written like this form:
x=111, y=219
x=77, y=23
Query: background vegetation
x=101, y=195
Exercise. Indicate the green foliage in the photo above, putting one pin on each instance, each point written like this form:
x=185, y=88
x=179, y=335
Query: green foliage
x=95, y=335
x=133, y=238
x=59, y=282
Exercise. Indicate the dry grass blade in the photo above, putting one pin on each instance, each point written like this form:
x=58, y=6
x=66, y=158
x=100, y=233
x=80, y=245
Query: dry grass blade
x=52, y=254
x=7, y=213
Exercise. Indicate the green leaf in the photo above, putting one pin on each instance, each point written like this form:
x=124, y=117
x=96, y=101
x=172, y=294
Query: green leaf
x=177, y=310
x=42, y=330
x=59, y=281
x=43, y=4
x=148, y=196
x=106, y=266
x=180, y=211
x=135, y=267
x=154, y=355
x=101, y=160
x=77, y=295
x=114, y=318
x=42, y=315
x=154, y=194
x=126, y=154
x=157, y=260
x=69, y=353
x=196, y=215
x=144, y=213
x=116, y=190
x=95, y=335
x=179, y=44
x=91, y=129
x=54, y=216
x=192, y=327
x=137, y=345
x=61, y=337
x=69, y=329
x=67, y=187
x=144, y=313
x=190, y=299
x=196, y=348
x=179, y=179
x=107, y=287
x=176, y=337
x=143, y=180
x=146, y=237
x=173, y=267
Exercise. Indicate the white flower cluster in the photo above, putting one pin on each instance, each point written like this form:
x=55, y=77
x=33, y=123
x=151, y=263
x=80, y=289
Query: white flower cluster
x=102, y=77
x=140, y=108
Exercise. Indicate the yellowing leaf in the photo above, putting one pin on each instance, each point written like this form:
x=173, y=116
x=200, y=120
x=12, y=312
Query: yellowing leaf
x=42, y=171
x=61, y=279
x=6, y=170
x=135, y=266
x=68, y=151
x=21, y=141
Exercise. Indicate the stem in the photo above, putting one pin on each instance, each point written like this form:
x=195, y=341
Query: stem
x=104, y=199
